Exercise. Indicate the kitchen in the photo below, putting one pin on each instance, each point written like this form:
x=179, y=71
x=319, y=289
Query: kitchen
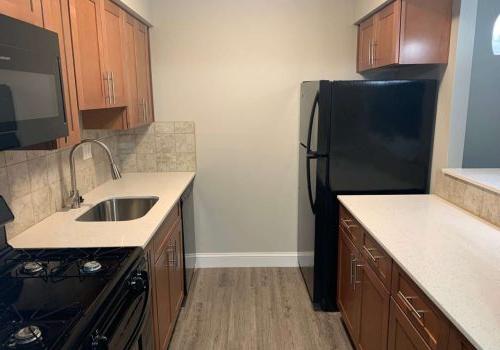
x=169, y=174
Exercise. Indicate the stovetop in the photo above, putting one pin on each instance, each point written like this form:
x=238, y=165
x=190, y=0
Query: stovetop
x=46, y=294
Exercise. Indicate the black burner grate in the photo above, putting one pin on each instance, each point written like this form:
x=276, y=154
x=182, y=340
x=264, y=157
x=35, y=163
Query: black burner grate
x=53, y=324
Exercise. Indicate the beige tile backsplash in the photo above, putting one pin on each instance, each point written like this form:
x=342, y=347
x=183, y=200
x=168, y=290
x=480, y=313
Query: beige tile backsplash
x=36, y=183
x=478, y=201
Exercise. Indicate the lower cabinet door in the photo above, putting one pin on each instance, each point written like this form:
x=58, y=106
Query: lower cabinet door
x=349, y=291
x=402, y=334
x=164, y=318
x=176, y=270
x=375, y=300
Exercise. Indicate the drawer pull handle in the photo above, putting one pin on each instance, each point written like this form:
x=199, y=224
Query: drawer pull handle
x=347, y=224
x=356, y=274
x=410, y=307
x=374, y=258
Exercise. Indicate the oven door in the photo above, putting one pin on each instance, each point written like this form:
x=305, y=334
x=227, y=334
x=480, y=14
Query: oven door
x=125, y=319
x=31, y=94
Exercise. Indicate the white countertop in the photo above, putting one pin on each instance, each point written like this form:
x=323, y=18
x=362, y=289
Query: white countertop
x=486, y=178
x=453, y=256
x=61, y=230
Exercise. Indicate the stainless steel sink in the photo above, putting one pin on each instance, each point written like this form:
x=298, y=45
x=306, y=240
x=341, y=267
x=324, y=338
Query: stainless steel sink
x=119, y=209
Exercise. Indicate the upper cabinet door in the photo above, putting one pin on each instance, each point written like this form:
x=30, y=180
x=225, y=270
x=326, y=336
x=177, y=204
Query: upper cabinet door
x=113, y=53
x=56, y=19
x=366, y=40
x=143, y=72
x=25, y=10
x=93, y=83
x=386, y=44
x=134, y=116
x=427, y=23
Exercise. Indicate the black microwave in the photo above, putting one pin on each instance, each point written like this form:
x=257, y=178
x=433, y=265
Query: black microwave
x=31, y=93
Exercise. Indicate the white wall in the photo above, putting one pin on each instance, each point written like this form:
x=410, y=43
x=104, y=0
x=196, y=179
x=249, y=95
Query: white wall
x=365, y=7
x=235, y=68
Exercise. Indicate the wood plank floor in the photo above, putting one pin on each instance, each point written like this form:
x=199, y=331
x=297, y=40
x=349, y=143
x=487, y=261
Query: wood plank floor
x=254, y=308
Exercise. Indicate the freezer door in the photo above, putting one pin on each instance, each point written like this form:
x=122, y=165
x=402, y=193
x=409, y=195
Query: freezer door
x=306, y=217
x=382, y=136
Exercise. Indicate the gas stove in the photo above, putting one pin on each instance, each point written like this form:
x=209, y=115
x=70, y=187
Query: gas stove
x=68, y=298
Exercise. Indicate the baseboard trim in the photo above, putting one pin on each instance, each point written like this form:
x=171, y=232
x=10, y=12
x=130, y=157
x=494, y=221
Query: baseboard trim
x=278, y=259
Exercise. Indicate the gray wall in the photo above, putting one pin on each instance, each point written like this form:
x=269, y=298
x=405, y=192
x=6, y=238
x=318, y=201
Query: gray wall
x=482, y=137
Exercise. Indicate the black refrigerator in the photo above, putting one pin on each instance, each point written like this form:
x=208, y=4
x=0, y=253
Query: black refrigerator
x=356, y=137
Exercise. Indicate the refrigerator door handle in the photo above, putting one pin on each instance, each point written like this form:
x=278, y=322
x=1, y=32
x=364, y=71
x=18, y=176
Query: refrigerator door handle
x=311, y=122
x=309, y=189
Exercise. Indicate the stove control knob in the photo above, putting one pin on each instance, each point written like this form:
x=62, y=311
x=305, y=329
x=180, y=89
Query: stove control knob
x=138, y=282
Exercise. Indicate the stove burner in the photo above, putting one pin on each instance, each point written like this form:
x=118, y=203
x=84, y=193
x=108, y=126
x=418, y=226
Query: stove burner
x=91, y=267
x=27, y=335
x=32, y=267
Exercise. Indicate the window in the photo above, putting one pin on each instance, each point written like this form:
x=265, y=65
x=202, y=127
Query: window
x=496, y=37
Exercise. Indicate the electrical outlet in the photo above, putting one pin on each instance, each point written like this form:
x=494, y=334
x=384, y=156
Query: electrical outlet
x=87, y=151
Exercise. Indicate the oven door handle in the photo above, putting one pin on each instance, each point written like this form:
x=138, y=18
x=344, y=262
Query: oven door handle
x=144, y=311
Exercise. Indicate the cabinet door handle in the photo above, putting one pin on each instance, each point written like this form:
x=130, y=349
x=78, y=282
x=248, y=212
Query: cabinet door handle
x=353, y=261
x=106, y=88
x=113, y=87
x=407, y=302
x=374, y=53
x=356, y=274
x=370, y=52
x=369, y=251
x=144, y=117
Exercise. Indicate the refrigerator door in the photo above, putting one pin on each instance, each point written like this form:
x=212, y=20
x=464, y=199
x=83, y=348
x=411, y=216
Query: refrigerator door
x=382, y=136
x=306, y=218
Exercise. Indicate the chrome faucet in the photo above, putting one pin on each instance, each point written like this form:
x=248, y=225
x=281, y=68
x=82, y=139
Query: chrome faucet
x=75, y=199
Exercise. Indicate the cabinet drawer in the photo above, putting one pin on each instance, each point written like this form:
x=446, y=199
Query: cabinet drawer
x=378, y=259
x=164, y=230
x=422, y=313
x=351, y=227
x=457, y=341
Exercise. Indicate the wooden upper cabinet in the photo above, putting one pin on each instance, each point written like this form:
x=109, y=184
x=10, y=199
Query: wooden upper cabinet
x=133, y=115
x=25, y=10
x=386, y=44
x=366, y=38
x=113, y=53
x=86, y=27
x=143, y=72
x=406, y=32
x=56, y=19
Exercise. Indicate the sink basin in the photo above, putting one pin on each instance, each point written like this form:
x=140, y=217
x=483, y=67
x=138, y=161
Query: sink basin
x=119, y=209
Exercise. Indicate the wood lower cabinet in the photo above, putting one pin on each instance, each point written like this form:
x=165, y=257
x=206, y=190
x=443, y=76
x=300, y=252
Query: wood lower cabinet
x=457, y=341
x=374, y=316
x=402, y=334
x=381, y=306
x=405, y=32
x=166, y=260
x=176, y=270
x=349, y=296
x=25, y=10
